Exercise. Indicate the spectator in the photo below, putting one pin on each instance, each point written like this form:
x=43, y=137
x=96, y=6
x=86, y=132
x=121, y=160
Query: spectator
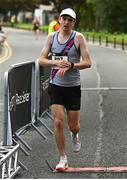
x=54, y=24
x=13, y=19
x=36, y=27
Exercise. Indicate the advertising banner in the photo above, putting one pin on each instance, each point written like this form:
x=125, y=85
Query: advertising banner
x=20, y=93
x=44, y=77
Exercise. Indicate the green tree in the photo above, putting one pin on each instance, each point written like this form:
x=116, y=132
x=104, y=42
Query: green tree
x=111, y=15
x=115, y=15
x=15, y=6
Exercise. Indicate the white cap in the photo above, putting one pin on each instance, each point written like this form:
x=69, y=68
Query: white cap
x=68, y=12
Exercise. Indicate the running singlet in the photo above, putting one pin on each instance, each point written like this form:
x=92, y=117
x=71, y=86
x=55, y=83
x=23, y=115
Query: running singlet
x=72, y=76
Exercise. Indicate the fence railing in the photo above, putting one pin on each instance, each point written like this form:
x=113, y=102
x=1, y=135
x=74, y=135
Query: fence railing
x=106, y=40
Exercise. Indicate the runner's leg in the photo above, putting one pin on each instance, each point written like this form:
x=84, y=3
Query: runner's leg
x=74, y=125
x=59, y=117
x=73, y=118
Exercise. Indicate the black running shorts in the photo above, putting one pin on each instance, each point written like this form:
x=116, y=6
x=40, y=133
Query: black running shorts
x=69, y=97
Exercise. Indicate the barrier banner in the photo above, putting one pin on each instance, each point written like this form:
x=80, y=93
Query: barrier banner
x=20, y=85
x=44, y=78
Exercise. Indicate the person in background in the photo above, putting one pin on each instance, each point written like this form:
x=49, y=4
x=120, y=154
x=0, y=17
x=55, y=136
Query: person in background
x=13, y=19
x=54, y=24
x=69, y=55
x=36, y=27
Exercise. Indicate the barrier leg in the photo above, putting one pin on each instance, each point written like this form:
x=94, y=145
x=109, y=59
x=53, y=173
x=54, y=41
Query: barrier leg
x=21, y=148
x=45, y=126
x=38, y=131
x=23, y=142
x=50, y=116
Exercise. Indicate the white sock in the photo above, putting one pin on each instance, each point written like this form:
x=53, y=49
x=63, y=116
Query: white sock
x=75, y=135
x=64, y=157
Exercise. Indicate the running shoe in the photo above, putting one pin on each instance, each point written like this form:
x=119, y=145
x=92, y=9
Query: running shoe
x=76, y=144
x=62, y=165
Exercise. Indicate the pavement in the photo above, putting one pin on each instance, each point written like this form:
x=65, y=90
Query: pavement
x=46, y=150
x=94, y=152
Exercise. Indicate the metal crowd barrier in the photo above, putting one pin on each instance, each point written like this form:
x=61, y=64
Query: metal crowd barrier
x=42, y=98
x=26, y=101
x=19, y=99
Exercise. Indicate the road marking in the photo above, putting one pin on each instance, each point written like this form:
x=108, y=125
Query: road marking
x=1, y=105
x=100, y=129
x=103, y=88
x=1, y=102
x=6, y=54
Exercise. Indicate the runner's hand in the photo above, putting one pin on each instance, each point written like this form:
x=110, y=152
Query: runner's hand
x=62, y=71
x=62, y=63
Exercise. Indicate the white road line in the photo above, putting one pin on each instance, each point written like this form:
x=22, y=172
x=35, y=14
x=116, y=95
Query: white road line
x=103, y=88
x=1, y=105
x=1, y=102
x=100, y=129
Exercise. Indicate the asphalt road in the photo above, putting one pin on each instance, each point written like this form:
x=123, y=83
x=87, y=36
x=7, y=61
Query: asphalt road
x=103, y=114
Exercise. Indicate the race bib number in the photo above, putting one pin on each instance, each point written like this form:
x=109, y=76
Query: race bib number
x=59, y=58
